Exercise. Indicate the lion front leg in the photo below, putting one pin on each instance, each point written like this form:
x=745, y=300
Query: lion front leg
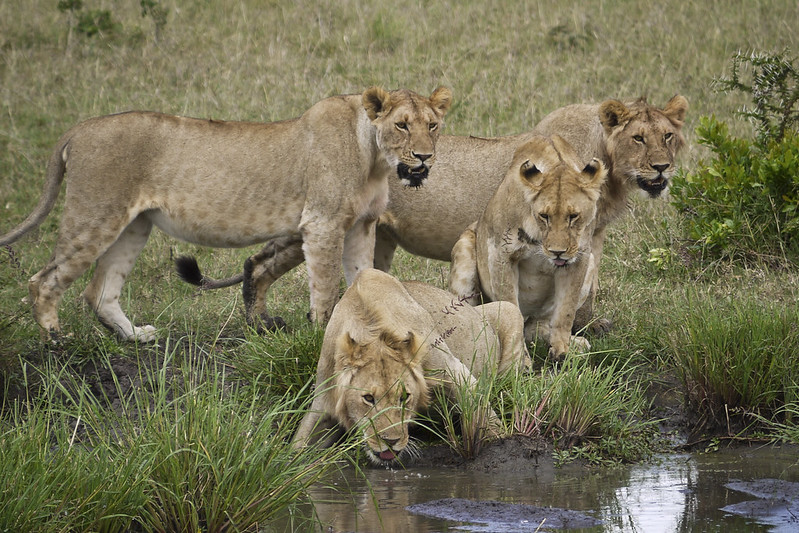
x=464, y=281
x=323, y=249
x=359, y=249
x=570, y=289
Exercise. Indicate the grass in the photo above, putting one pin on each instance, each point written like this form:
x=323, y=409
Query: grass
x=508, y=64
x=193, y=449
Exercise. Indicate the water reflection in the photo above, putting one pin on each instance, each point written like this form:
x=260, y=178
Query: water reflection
x=679, y=493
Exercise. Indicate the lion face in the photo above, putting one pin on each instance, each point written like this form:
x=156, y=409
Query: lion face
x=408, y=127
x=381, y=386
x=642, y=140
x=562, y=198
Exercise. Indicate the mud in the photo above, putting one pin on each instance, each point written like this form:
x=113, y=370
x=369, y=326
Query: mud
x=498, y=516
x=777, y=503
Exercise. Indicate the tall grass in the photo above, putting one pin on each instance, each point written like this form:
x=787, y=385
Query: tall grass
x=582, y=402
x=195, y=449
x=741, y=355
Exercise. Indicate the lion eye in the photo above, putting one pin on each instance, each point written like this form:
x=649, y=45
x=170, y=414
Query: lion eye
x=544, y=218
x=573, y=218
x=404, y=398
x=668, y=136
x=368, y=398
x=638, y=139
x=433, y=126
x=402, y=126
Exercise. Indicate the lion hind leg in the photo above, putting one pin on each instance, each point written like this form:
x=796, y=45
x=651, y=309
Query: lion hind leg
x=260, y=273
x=507, y=321
x=78, y=246
x=112, y=269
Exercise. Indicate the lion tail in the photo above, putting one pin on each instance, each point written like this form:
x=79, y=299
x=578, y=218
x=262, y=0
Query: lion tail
x=56, y=168
x=189, y=271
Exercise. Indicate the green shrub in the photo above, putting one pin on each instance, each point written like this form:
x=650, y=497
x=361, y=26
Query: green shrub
x=744, y=203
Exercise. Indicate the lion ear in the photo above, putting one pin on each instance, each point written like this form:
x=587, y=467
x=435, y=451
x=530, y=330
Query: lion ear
x=531, y=174
x=345, y=351
x=408, y=346
x=594, y=174
x=675, y=110
x=441, y=99
x=613, y=114
x=376, y=101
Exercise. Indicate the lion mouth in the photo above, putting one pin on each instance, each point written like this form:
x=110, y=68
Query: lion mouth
x=386, y=457
x=655, y=186
x=412, y=177
x=560, y=263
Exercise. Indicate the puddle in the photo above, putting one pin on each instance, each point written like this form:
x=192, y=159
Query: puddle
x=687, y=492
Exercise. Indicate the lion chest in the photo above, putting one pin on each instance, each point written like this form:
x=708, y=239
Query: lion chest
x=371, y=200
x=537, y=294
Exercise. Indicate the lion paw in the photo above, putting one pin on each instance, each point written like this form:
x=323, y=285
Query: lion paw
x=143, y=334
x=579, y=344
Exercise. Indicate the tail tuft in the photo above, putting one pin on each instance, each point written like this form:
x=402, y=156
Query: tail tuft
x=189, y=270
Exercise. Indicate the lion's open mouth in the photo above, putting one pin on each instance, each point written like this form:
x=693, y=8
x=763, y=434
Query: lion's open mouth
x=413, y=177
x=386, y=457
x=559, y=262
x=653, y=187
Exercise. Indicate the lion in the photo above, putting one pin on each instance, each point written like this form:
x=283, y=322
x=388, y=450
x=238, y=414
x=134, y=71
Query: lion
x=636, y=142
x=387, y=344
x=322, y=177
x=532, y=244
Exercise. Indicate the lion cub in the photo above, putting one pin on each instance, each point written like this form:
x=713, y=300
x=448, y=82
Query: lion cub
x=532, y=244
x=387, y=343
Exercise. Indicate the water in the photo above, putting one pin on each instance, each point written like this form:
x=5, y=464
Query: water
x=676, y=493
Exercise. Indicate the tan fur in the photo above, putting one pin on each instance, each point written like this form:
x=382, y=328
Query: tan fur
x=532, y=244
x=468, y=170
x=387, y=343
x=322, y=176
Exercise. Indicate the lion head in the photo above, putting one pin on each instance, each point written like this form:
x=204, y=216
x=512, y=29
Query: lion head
x=381, y=386
x=408, y=127
x=561, y=195
x=642, y=140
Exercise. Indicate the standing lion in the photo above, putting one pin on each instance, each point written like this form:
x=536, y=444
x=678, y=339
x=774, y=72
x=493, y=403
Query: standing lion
x=320, y=179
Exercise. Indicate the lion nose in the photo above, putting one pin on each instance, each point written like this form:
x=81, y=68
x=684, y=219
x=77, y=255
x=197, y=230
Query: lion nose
x=390, y=442
x=661, y=168
x=422, y=157
x=557, y=253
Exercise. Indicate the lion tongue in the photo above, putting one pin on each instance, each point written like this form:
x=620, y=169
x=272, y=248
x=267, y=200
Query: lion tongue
x=387, y=455
x=559, y=262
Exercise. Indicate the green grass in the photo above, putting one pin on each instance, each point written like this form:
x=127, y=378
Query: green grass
x=508, y=64
x=195, y=448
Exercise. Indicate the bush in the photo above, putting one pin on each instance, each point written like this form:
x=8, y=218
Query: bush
x=744, y=204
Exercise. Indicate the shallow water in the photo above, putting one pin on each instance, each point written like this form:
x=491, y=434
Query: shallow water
x=675, y=493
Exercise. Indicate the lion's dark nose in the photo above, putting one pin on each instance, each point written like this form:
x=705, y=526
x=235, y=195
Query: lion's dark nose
x=422, y=157
x=661, y=168
x=390, y=442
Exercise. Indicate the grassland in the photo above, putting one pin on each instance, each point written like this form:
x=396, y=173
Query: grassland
x=508, y=64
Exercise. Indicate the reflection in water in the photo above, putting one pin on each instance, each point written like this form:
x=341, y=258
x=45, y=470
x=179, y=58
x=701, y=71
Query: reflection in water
x=680, y=493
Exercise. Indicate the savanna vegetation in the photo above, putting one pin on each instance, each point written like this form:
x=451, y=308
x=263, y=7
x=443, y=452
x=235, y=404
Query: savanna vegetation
x=192, y=433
